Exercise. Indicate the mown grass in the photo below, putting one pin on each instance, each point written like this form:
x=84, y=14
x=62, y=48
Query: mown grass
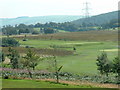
x=10, y=83
x=84, y=59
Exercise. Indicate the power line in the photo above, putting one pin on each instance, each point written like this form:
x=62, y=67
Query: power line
x=86, y=10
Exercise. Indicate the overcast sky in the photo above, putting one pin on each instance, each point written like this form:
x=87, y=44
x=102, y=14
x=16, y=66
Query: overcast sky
x=17, y=8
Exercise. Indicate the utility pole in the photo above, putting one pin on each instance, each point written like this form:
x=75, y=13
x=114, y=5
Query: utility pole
x=86, y=14
x=86, y=10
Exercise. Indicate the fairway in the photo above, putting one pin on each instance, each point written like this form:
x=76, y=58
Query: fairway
x=83, y=61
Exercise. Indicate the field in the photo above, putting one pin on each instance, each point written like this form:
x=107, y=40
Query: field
x=84, y=58
x=81, y=61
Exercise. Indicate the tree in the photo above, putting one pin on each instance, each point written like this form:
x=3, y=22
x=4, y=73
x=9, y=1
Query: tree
x=14, y=58
x=103, y=64
x=2, y=57
x=30, y=60
x=49, y=30
x=6, y=42
x=74, y=48
x=57, y=70
x=116, y=67
x=9, y=30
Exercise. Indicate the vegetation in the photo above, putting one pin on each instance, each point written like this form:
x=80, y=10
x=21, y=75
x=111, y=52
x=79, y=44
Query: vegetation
x=103, y=64
x=99, y=22
x=9, y=42
x=116, y=68
x=57, y=70
x=14, y=58
x=2, y=57
x=38, y=84
x=30, y=60
x=73, y=50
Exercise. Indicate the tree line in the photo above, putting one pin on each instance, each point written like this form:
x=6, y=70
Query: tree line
x=53, y=27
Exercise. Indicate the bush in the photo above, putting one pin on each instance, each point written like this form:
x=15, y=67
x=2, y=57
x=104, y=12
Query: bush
x=6, y=77
x=9, y=42
x=25, y=39
x=27, y=47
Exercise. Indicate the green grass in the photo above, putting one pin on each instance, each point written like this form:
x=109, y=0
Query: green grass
x=9, y=83
x=37, y=29
x=62, y=31
x=84, y=59
x=88, y=46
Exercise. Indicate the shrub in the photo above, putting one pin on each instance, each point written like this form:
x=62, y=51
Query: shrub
x=9, y=42
x=25, y=39
x=6, y=77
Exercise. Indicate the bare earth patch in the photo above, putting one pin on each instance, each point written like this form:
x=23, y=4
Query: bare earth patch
x=84, y=83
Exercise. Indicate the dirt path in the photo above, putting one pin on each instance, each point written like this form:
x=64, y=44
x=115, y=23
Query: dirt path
x=84, y=83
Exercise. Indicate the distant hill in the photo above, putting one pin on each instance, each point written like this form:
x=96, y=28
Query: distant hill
x=40, y=19
x=98, y=19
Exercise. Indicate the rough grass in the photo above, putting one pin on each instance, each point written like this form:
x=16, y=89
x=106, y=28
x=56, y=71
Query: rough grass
x=84, y=35
x=40, y=51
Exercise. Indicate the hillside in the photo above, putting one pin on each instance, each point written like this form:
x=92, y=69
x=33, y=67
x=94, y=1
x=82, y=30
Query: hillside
x=98, y=19
x=40, y=19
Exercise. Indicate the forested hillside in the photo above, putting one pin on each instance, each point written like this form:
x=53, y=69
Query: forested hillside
x=98, y=19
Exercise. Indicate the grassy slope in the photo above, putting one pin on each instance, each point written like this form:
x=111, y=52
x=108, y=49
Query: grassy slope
x=36, y=84
x=84, y=61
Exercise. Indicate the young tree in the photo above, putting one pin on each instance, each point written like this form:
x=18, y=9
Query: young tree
x=116, y=67
x=14, y=58
x=30, y=60
x=57, y=70
x=103, y=64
